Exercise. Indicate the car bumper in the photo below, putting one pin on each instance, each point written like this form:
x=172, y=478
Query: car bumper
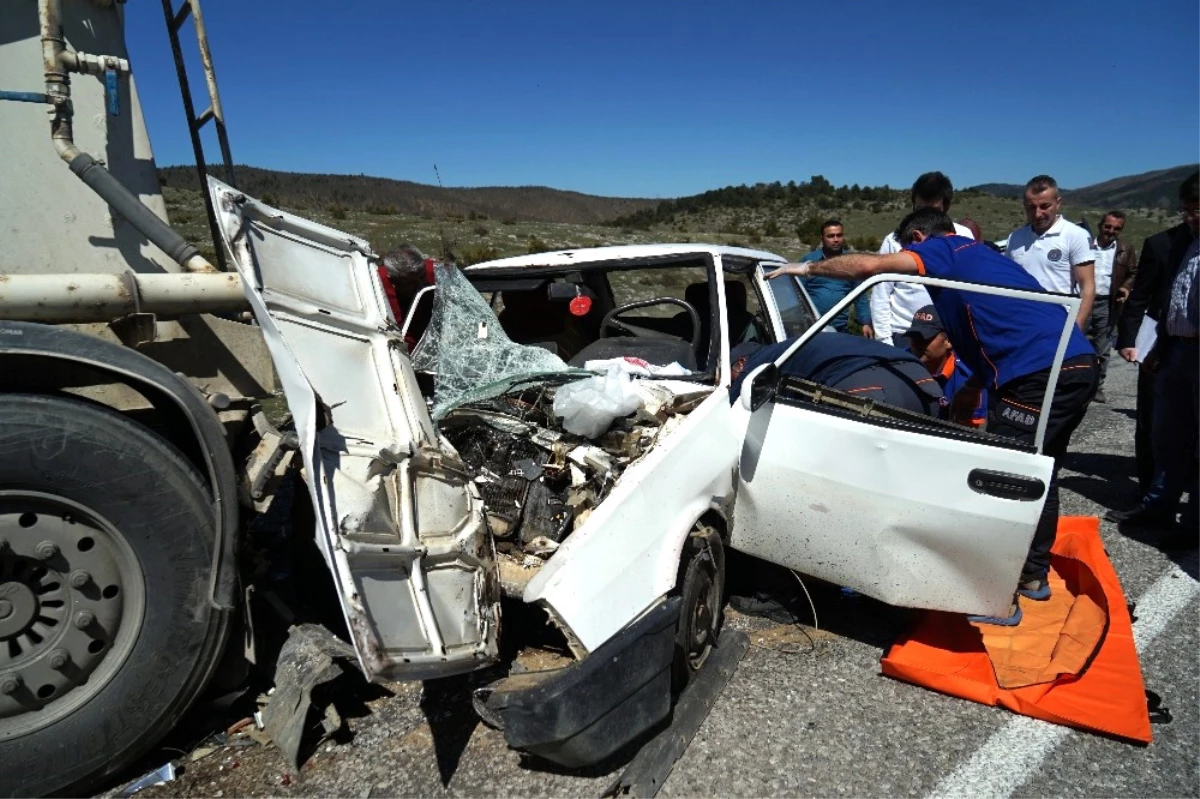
x=583, y=713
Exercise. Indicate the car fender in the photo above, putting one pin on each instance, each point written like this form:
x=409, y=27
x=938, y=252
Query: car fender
x=626, y=555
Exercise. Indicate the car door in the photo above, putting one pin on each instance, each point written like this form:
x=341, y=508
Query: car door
x=912, y=511
x=398, y=523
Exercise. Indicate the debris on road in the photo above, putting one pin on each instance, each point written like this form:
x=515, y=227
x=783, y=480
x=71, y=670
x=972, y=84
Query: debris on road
x=164, y=773
x=311, y=656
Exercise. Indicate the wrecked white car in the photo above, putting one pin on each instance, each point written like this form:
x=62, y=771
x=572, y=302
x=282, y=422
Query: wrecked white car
x=487, y=464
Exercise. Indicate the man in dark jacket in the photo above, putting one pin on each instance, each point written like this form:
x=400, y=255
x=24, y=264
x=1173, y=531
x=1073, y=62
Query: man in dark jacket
x=1161, y=253
x=1166, y=290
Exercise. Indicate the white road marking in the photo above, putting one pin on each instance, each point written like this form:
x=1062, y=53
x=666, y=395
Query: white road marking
x=1016, y=750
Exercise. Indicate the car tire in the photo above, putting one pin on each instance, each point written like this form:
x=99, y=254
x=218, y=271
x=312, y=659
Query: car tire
x=701, y=586
x=106, y=537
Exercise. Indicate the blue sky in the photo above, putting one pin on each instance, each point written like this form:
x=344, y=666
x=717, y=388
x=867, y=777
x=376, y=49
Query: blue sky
x=664, y=99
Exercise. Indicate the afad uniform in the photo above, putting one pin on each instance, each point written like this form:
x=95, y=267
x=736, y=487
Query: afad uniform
x=1052, y=256
x=893, y=304
x=953, y=376
x=1010, y=343
x=998, y=338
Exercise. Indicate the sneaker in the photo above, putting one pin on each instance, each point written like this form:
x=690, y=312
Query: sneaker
x=1036, y=588
x=1141, y=516
x=1100, y=396
x=1002, y=621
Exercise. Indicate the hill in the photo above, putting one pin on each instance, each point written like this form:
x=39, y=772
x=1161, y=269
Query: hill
x=384, y=196
x=1157, y=189
x=1009, y=190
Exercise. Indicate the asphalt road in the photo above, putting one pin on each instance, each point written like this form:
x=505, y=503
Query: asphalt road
x=808, y=712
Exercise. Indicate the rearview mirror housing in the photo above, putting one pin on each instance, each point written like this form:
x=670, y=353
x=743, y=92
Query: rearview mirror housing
x=759, y=387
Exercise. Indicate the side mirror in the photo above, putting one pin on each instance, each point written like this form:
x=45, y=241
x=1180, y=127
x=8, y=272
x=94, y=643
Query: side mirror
x=759, y=387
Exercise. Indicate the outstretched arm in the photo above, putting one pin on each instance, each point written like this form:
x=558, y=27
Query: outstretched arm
x=853, y=266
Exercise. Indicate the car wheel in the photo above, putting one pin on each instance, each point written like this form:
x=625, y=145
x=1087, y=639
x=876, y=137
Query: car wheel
x=701, y=586
x=107, y=633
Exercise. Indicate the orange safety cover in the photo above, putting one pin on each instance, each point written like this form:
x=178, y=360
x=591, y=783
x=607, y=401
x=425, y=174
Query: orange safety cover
x=1070, y=661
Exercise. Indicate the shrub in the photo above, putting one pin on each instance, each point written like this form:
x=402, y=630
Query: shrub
x=476, y=255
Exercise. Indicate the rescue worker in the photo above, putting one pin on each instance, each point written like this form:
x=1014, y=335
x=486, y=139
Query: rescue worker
x=927, y=340
x=860, y=366
x=1009, y=344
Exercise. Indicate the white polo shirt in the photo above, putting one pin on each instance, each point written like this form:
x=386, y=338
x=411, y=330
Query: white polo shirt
x=1104, y=267
x=893, y=304
x=1052, y=256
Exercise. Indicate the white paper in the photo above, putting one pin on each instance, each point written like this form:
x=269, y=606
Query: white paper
x=1147, y=335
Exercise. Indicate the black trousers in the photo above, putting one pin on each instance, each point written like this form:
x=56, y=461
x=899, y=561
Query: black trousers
x=1014, y=411
x=1143, y=436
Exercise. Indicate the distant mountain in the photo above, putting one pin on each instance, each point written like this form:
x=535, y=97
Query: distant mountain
x=1157, y=189
x=999, y=189
x=299, y=190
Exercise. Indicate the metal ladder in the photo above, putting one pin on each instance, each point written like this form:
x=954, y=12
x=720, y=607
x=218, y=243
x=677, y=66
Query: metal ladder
x=175, y=20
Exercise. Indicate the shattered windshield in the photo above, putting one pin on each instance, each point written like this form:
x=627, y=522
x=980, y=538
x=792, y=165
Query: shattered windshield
x=469, y=354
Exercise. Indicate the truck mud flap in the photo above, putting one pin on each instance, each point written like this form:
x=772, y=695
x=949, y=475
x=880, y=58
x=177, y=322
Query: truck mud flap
x=583, y=713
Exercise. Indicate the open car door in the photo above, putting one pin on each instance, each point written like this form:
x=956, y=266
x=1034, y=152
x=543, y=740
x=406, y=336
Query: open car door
x=398, y=523
x=905, y=508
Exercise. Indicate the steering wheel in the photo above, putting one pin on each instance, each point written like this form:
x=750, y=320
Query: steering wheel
x=610, y=320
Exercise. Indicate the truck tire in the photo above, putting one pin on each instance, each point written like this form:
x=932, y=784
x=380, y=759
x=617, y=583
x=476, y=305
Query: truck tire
x=107, y=634
x=701, y=586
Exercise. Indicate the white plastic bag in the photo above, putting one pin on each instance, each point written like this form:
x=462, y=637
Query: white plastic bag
x=589, y=406
x=637, y=366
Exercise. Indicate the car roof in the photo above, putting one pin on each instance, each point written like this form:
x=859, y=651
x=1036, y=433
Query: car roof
x=628, y=252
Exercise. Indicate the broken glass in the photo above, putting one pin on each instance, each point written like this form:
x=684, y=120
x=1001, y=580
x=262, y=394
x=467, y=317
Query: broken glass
x=469, y=354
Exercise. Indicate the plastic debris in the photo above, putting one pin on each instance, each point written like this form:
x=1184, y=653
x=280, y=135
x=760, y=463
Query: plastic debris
x=590, y=405
x=164, y=773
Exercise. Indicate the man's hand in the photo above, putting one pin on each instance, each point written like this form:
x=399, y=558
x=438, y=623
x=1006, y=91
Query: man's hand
x=800, y=270
x=868, y=331
x=964, y=403
x=1122, y=294
x=1129, y=354
x=1150, y=362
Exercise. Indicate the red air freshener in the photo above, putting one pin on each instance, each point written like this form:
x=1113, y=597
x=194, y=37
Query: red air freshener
x=581, y=305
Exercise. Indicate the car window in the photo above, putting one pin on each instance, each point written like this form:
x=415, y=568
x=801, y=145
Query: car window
x=794, y=308
x=671, y=281
x=748, y=319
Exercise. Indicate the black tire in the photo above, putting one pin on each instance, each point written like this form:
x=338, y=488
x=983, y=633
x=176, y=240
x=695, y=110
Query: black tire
x=701, y=585
x=153, y=499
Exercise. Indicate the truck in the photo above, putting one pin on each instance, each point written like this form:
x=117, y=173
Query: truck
x=554, y=429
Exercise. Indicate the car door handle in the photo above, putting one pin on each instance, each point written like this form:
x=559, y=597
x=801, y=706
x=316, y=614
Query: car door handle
x=1006, y=486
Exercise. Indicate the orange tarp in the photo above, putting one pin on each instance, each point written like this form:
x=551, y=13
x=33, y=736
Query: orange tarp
x=1070, y=661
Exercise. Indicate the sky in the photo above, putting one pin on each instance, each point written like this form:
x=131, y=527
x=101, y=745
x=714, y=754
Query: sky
x=666, y=99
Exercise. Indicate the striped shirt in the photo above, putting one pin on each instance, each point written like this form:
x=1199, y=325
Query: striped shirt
x=1182, y=314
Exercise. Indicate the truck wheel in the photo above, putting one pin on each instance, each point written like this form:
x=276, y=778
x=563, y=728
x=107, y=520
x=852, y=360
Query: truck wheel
x=701, y=585
x=106, y=629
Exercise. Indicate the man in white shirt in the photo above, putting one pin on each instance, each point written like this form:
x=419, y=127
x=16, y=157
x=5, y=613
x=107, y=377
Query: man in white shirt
x=1056, y=252
x=893, y=304
x=1115, y=266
